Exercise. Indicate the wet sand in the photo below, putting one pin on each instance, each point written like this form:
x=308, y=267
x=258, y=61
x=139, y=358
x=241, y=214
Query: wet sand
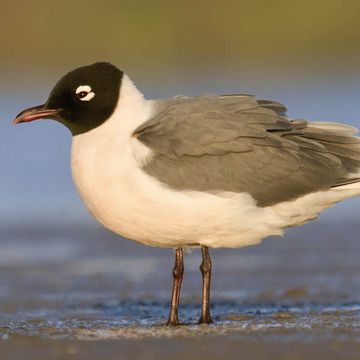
x=79, y=292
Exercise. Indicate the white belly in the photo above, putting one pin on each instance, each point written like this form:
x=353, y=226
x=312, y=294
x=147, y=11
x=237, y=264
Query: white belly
x=131, y=203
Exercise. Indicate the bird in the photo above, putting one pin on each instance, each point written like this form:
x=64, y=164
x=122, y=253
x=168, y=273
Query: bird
x=204, y=172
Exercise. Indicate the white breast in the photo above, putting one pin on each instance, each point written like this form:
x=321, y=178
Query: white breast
x=106, y=166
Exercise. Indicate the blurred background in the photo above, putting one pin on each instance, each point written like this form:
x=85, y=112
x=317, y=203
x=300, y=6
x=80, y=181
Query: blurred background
x=305, y=54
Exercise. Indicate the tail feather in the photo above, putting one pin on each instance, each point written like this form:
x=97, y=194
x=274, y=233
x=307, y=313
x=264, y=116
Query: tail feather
x=334, y=126
x=338, y=140
x=345, y=181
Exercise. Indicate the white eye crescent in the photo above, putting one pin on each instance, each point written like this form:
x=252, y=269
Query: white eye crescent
x=84, y=93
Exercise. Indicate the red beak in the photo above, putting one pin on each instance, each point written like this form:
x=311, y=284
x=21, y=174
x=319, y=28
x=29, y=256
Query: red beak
x=34, y=113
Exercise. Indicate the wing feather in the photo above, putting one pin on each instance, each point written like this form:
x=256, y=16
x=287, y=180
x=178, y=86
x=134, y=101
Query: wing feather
x=240, y=144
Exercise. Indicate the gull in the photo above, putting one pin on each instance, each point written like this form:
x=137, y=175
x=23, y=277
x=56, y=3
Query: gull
x=206, y=171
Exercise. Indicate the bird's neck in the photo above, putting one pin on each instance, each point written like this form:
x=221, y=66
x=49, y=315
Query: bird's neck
x=130, y=96
x=132, y=109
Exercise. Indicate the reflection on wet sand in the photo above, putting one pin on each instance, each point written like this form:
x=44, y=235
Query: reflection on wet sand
x=84, y=283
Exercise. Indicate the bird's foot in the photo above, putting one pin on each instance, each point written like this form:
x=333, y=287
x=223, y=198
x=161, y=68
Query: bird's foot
x=173, y=319
x=205, y=320
x=173, y=323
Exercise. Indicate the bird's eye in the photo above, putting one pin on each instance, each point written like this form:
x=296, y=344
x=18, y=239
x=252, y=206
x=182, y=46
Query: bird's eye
x=84, y=93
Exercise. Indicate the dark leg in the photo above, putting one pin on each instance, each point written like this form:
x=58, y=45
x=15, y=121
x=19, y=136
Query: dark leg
x=178, y=272
x=205, y=269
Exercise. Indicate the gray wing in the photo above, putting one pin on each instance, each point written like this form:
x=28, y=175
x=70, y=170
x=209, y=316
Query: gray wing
x=240, y=144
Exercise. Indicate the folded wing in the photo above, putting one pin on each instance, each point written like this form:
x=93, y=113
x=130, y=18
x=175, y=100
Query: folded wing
x=240, y=144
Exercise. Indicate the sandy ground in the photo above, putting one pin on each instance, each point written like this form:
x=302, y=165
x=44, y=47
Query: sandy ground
x=82, y=293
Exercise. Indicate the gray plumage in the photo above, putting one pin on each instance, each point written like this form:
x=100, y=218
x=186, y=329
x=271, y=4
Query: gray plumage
x=240, y=144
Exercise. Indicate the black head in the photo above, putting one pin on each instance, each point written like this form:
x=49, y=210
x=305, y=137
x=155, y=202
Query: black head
x=82, y=100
